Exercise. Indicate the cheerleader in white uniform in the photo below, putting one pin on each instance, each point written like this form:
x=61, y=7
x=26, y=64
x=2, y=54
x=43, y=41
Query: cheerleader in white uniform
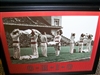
x=15, y=34
x=72, y=42
x=57, y=39
x=33, y=34
x=89, y=39
x=81, y=43
x=44, y=44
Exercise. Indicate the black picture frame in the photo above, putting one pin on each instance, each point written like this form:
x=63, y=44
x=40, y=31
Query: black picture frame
x=49, y=7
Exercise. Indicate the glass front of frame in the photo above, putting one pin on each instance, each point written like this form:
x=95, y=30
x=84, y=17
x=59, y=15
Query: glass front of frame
x=50, y=41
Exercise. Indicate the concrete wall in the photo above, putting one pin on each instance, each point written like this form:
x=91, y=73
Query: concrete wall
x=56, y=17
x=53, y=31
x=51, y=20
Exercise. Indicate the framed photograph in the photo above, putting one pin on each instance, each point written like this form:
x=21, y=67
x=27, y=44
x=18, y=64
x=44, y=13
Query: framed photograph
x=54, y=41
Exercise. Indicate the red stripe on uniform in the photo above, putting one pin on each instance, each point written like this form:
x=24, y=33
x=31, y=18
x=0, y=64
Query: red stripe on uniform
x=15, y=41
x=33, y=42
x=56, y=41
x=32, y=38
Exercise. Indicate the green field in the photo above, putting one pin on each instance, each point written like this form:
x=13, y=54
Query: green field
x=64, y=55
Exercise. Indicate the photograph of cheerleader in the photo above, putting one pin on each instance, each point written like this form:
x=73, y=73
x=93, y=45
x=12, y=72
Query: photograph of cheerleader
x=33, y=39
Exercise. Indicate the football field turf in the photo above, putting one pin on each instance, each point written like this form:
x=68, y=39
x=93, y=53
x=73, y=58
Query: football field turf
x=64, y=55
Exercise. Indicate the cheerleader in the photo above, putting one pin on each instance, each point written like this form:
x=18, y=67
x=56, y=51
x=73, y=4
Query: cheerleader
x=57, y=39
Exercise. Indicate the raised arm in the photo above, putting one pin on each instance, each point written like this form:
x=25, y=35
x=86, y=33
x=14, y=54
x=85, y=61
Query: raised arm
x=15, y=33
x=28, y=31
x=36, y=31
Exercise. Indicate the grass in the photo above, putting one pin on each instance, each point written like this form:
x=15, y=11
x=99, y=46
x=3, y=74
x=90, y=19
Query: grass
x=64, y=55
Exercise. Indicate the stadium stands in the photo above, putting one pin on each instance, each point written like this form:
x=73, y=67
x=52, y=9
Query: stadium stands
x=26, y=20
x=23, y=23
